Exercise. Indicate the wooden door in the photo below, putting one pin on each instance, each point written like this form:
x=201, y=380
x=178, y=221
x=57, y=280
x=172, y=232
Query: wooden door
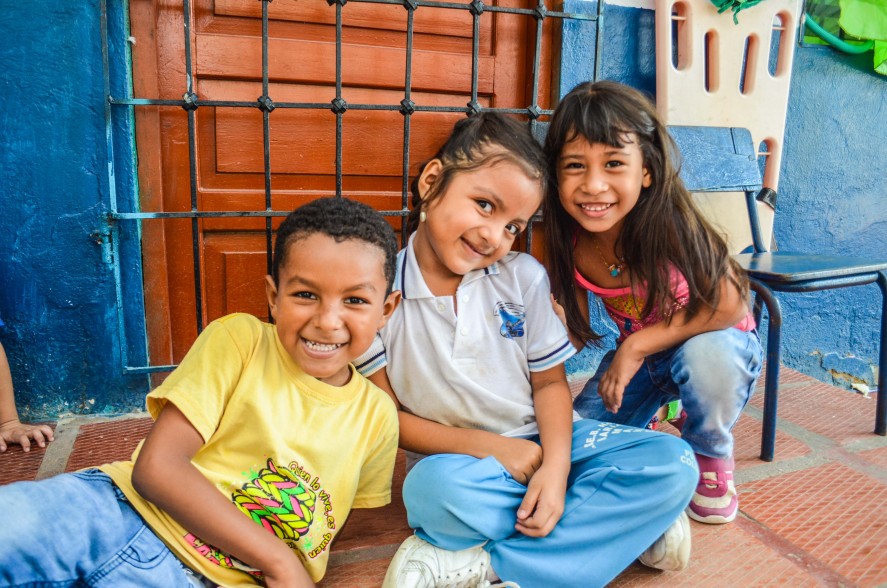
x=227, y=61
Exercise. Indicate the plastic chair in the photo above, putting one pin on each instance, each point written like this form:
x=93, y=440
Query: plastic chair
x=723, y=159
x=711, y=71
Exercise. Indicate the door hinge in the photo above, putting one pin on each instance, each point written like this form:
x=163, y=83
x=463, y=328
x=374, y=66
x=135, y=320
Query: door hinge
x=102, y=236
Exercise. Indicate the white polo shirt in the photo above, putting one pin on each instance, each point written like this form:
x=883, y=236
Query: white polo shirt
x=471, y=370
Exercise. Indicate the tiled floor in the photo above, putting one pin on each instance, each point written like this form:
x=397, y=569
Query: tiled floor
x=815, y=516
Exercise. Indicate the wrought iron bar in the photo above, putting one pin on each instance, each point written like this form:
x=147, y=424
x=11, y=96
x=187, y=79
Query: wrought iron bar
x=190, y=105
x=266, y=105
x=117, y=221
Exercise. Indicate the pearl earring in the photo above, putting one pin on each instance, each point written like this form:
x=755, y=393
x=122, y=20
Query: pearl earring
x=422, y=216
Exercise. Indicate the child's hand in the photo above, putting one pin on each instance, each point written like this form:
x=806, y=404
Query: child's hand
x=292, y=575
x=543, y=504
x=519, y=456
x=14, y=432
x=622, y=369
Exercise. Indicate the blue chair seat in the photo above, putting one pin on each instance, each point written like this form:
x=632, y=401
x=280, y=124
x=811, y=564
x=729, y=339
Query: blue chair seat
x=784, y=268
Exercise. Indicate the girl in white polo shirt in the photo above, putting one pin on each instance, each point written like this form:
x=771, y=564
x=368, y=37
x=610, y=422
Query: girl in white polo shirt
x=504, y=479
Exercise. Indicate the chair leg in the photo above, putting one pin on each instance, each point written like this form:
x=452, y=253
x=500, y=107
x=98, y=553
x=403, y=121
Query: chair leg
x=757, y=308
x=771, y=381
x=881, y=409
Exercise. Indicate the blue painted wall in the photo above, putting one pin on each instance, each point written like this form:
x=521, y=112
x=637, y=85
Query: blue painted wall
x=57, y=293
x=833, y=192
x=57, y=296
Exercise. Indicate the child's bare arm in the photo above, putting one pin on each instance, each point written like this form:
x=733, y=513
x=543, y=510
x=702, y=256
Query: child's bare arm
x=11, y=429
x=630, y=355
x=520, y=457
x=165, y=475
x=543, y=503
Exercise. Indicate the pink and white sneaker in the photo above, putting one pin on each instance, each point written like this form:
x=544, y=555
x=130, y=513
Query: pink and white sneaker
x=715, y=501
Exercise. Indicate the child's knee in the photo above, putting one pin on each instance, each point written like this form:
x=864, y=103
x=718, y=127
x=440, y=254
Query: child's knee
x=705, y=353
x=435, y=481
x=716, y=362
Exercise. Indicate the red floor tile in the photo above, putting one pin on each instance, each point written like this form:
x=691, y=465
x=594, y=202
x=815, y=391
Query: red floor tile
x=101, y=443
x=363, y=574
x=787, y=376
x=16, y=465
x=834, y=513
x=876, y=456
x=723, y=555
x=840, y=415
x=747, y=444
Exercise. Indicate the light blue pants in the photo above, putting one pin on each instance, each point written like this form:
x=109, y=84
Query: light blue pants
x=713, y=374
x=626, y=487
x=79, y=530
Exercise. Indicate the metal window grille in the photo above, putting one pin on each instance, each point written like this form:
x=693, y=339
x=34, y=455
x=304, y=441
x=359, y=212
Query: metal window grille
x=119, y=221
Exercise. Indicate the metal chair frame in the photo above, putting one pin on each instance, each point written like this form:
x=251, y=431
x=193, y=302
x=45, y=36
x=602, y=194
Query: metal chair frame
x=723, y=159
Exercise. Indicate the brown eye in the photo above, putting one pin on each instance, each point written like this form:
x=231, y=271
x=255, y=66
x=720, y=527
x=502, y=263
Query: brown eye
x=485, y=205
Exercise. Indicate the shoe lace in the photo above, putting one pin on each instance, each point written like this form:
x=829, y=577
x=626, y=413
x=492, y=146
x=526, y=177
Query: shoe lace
x=716, y=482
x=472, y=581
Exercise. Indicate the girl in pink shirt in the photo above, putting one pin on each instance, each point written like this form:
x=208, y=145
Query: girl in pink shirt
x=622, y=231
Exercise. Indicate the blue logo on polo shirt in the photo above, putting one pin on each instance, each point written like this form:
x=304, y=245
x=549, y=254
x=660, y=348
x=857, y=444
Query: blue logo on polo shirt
x=513, y=317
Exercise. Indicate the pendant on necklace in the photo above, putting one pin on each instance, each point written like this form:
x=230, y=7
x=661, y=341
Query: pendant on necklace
x=614, y=268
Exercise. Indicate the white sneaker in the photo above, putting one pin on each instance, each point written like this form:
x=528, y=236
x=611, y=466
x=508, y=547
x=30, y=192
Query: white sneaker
x=419, y=564
x=671, y=552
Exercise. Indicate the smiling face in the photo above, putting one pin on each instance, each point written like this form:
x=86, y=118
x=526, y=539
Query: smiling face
x=475, y=222
x=329, y=302
x=599, y=184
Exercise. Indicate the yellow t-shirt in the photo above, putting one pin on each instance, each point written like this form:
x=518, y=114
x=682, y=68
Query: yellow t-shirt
x=293, y=453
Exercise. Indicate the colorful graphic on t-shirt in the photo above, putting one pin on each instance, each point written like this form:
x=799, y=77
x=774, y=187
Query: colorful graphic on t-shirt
x=279, y=501
x=626, y=310
x=513, y=317
x=282, y=500
x=220, y=558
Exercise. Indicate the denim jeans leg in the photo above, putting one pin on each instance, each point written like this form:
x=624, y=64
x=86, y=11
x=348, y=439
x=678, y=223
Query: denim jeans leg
x=715, y=375
x=641, y=399
x=78, y=529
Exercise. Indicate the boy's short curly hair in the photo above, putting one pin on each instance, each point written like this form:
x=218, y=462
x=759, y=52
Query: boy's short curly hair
x=341, y=219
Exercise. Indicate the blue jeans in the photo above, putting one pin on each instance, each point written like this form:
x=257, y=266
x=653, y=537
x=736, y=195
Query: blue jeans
x=625, y=488
x=79, y=530
x=713, y=374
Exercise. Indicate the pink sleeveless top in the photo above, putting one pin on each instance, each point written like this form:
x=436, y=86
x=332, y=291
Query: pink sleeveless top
x=625, y=309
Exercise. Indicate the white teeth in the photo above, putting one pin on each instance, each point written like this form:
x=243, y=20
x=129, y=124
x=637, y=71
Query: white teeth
x=315, y=346
x=595, y=207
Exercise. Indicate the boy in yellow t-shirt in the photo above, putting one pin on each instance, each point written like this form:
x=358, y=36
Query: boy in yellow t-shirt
x=264, y=438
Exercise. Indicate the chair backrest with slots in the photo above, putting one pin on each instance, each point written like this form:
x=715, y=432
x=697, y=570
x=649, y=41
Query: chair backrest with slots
x=712, y=71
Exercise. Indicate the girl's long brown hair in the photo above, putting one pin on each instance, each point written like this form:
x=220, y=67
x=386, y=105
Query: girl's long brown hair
x=664, y=229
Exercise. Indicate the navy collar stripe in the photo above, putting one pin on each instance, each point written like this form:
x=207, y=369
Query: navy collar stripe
x=369, y=361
